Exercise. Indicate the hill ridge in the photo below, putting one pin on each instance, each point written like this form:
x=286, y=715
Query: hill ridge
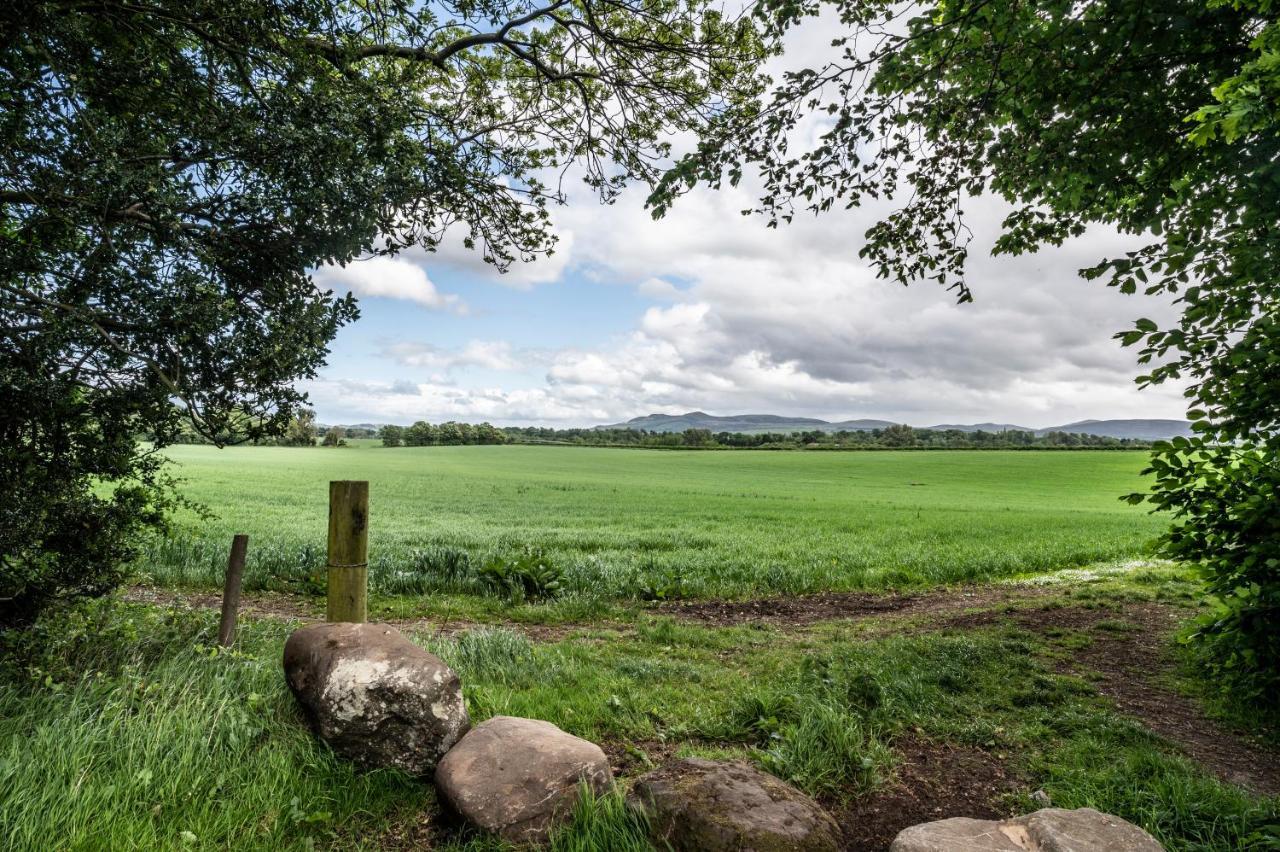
x=1141, y=428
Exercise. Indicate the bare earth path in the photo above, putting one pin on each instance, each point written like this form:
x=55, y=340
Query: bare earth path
x=783, y=613
x=1129, y=663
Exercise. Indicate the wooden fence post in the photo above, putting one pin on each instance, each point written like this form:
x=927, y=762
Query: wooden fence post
x=231, y=590
x=348, y=551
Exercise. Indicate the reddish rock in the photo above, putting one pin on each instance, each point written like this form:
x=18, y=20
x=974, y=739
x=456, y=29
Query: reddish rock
x=518, y=777
x=1047, y=830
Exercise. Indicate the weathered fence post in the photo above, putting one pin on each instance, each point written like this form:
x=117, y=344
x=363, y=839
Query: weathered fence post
x=348, y=550
x=231, y=590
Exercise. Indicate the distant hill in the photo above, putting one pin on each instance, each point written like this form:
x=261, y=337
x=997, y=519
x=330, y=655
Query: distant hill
x=1146, y=430
x=372, y=427
x=745, y=423
x=981, y=427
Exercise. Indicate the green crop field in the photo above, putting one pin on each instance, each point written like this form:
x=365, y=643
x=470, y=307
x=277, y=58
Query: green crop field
x=644, y=523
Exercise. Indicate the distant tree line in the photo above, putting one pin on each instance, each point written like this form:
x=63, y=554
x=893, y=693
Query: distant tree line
x=892, y=437
x=450, y=433
x=303, y=431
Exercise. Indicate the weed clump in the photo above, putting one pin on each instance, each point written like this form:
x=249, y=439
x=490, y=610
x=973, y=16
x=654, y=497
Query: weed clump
x=527, y=576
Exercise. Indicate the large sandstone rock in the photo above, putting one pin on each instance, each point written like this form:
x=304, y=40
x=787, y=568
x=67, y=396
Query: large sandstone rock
x=517, y=777
x=1047, y=830
x=978, y=835
x=699, y=805
x=374, y=696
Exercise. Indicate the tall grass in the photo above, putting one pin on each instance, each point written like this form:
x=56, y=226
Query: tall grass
x=168, y=745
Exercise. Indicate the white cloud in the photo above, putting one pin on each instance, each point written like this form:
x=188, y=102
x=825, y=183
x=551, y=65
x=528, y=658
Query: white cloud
x=359, y=401
x=661, y=290
x=791, y=321
x=389, y=277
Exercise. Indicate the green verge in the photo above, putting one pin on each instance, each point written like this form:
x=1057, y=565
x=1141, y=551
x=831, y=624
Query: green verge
x=121, y=728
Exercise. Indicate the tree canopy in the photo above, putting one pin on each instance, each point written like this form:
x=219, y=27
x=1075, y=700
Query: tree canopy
x=172, y=172
x=1159, y=119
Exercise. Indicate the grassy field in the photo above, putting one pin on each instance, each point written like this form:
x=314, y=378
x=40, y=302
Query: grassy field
x=641, y=523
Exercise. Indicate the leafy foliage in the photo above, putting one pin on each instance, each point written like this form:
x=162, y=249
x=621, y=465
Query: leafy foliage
x=391, y=435
x=301, y=431
x=657, y=583
x=60, y=533
x=1160, y=119
x=173, y=171
x=528, y=576
x=449, y=433
x=333, y=437
x=1224, y=501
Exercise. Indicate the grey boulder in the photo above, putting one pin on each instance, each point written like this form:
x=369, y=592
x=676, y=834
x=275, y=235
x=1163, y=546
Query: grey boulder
x=1047, y=830
x=375, y=697
x=710, y=806
x=519, y=777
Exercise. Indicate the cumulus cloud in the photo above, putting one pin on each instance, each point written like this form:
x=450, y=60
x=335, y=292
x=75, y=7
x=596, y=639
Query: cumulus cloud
x=791, y=321
x=660, y=289
x=435, y=401
x=390, y=277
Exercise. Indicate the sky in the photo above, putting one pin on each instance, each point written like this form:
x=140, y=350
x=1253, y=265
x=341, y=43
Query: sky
x=711, y=310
